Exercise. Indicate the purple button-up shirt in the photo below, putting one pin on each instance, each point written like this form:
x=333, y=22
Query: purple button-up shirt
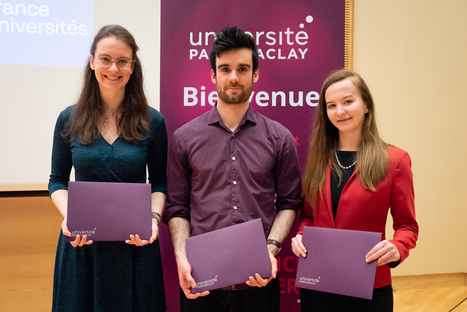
x=217, y=178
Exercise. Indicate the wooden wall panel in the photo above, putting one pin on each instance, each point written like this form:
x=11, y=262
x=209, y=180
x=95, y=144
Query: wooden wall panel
x=30, y=227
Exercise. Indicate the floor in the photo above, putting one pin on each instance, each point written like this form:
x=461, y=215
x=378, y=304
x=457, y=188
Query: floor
x=431, y=299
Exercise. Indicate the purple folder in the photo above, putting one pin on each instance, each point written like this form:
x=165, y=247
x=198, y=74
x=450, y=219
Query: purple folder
x=335, y=261
x=107, y=211
x=228, y=256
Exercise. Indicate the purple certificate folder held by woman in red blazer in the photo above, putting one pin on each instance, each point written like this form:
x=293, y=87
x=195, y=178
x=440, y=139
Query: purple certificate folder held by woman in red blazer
x=336, y=262
x=106, y=211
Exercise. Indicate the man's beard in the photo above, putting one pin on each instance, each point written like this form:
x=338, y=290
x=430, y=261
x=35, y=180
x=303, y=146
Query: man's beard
x=238, y=98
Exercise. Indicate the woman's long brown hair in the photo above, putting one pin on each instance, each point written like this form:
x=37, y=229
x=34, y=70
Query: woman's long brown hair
x=372, y=155
x=133, y=113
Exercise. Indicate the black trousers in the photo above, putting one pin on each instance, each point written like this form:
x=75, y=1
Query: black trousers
x=254, y=299
x=382, y=301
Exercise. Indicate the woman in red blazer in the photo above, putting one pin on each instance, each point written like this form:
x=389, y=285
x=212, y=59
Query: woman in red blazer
x=351, y=181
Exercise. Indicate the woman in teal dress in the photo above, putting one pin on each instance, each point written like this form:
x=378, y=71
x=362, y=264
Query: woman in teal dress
x=110, y=135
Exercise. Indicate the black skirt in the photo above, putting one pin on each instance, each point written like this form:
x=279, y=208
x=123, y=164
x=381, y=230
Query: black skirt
x=108, y=276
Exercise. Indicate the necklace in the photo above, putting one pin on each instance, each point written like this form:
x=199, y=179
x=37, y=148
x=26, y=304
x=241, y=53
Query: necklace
x=110, y=113
x=339, y=163
x=107, y=116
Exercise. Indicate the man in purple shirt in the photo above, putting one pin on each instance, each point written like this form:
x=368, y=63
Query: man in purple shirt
x=228, y=166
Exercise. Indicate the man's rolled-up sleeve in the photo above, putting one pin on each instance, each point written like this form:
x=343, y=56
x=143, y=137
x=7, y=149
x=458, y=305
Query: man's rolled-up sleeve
x=287, y=175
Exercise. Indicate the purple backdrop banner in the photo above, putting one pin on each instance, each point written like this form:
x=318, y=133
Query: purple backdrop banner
x=299, y=41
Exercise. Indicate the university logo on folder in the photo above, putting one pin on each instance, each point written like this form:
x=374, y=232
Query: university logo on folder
x=228, y=256
x=106, y=211
x=335, y=261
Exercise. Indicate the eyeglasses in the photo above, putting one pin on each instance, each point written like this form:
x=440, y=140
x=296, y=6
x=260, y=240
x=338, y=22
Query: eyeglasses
x=122, y=63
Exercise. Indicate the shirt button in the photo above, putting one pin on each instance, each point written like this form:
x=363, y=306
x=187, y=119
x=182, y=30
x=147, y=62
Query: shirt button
x=235, y=207
x=233, y=158
x=234, y=182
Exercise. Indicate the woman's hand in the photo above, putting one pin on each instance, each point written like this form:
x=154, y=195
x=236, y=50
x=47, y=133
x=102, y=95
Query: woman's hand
x=78, y=242
x=297, y=246
x=137, y=241
x=385, y=252
x=65, y=230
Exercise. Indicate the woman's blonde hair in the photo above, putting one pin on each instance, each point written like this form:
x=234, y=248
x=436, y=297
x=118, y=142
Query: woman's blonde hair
x=372, y=155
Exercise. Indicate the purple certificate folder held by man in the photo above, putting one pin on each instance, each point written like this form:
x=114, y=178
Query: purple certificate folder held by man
x=335, y=262
x=228, y=256
x=107, y=211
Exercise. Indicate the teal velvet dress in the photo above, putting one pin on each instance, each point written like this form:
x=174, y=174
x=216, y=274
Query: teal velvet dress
x=109, y=276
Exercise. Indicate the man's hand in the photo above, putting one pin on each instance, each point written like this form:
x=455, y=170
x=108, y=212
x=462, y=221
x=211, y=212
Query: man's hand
x=258, y=281
x=186, y=280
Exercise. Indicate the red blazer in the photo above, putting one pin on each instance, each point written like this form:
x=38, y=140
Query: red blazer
x=364, y=210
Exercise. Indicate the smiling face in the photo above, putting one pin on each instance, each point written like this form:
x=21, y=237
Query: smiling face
x=111, y=79
x=345, y=107
x=234, y=76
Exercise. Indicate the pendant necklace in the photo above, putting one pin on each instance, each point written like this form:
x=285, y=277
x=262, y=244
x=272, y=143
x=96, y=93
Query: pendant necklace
x=339, y=163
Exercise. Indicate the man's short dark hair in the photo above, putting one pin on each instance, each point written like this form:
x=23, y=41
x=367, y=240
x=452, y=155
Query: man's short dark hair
x=232, y=38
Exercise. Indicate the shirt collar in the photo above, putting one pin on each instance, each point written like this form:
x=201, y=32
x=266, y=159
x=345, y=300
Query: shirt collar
x=214, y=116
